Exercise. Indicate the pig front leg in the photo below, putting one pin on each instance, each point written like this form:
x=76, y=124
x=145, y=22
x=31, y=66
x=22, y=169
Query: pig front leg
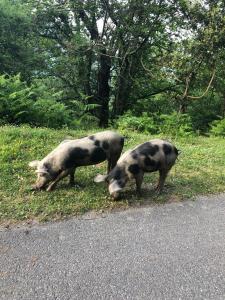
x=72, y=174
x=72, y=181
x=139, y=180
x=58, y=178
x=109, y=168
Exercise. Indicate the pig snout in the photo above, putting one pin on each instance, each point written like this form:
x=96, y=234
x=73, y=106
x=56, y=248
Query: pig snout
x=42, y=180
x=114, y=189
x=115, y=195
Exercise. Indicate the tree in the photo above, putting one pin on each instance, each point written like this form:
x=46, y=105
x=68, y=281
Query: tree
x=118, y=54
x=17, y=41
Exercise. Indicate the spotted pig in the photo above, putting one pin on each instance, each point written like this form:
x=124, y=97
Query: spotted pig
x=155, y=155
x=70, y=154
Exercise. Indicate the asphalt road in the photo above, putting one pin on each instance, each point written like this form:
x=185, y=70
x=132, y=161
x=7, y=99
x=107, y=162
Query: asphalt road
x=172, y=251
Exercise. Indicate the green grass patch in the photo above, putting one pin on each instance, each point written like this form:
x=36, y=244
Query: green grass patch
x=199, y=170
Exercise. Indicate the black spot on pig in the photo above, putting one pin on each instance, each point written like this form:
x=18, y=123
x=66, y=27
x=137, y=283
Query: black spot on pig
x=148, y=149
x=134, y=169
x=152, y=164
x=149, y=162
x=98, y=155
x=121, y=183
x=157, y=165
x=116, y=174
x=47, y=166
x=105, y=145
x=176, y=151
x=75, y=154
x=153, y=149
x=144, y=149
x=122, y=142
x=52, y=173
x=97, y=143
x=91, y=137
x=134, y=155
x=167, y=149
x=55, y=174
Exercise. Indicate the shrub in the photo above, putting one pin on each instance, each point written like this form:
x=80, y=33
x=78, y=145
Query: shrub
x=82, y=116
x=40, y=105
x=35, y=105
x=218, y=128
x=143, y=123
x=15, y=101
x=204, y=111
x=176, y=124
x=50, y=113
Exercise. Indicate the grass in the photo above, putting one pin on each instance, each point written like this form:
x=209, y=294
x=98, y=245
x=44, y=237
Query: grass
x=199, y=170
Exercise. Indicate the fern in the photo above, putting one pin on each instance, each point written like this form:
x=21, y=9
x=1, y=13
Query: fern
x=40, y=105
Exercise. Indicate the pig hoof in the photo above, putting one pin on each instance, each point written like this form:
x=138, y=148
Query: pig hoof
x=115, y=196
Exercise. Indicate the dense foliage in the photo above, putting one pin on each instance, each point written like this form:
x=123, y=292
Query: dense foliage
x=153, y=66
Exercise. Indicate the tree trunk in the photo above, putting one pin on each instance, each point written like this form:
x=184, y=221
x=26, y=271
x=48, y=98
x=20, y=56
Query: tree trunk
x=123, y=90
x=223, y=106
x=183, y=105
x=104, y=88
x=183, y=108
x=87, y=86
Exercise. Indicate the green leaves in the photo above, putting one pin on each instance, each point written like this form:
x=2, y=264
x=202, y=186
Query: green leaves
x=143, y=56
x=173, y=125
x=218, y=128
x=40, y=105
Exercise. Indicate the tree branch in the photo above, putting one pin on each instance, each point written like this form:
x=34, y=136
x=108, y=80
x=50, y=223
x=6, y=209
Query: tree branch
x=206, y=91
x=168, y=88
x=146, y=69
x=90, y=24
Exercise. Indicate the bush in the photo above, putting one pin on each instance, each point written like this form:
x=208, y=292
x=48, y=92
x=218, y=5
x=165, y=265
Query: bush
x=218, y=128
x=143, y=123
x=15, y=101
x=50, y=113
x=40, y=105
x=82, y=116
x=35, y=105
x=204, y=111
x=176, y=124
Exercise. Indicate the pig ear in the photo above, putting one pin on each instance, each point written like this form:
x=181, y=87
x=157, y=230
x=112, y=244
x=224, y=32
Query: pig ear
x=42, y=171
x=34, y=163
x=100, y=178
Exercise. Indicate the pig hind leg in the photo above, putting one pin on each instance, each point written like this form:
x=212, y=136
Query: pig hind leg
x=162, y=177
x=112, y=160
x=139, y=180
x=72, y=173
x=58, y=178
